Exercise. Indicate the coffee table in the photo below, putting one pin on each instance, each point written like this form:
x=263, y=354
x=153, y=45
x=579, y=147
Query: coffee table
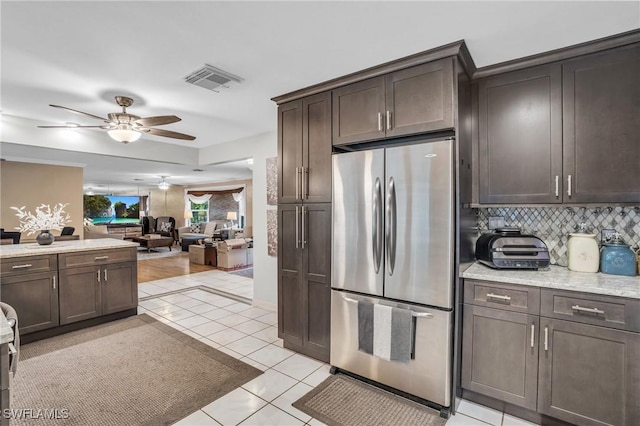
x=149, y=243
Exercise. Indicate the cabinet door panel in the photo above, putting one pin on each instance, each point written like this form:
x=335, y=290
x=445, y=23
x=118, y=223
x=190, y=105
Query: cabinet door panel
x=289, y=151
x=35, y=299
x=520, y=137
x=80, y=294
x=358, y=110
x=589, y=375
x=499, y=359
x=289, y=274
x=316, y=279
x=601, y=126
x=316, y=139
x=119, y=287
x=420, y=99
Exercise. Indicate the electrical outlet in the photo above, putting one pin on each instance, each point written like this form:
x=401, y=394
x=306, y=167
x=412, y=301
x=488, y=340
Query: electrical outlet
x=496, y=222
x=606, y=235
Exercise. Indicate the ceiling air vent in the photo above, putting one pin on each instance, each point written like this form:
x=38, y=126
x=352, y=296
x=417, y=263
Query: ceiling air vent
x=212, y=78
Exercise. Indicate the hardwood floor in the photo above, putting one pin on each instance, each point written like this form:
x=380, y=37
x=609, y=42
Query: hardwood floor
x=167, y=267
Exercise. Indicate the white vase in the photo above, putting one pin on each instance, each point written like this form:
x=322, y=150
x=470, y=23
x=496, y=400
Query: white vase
x=584, y=254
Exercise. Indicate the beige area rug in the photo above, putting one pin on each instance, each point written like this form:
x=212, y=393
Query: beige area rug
x=160, y=252
x=342, y=400
x=135, y=371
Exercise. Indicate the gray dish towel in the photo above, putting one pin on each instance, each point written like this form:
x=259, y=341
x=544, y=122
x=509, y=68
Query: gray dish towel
x=401, y=335
x=365, y=326
x=10, y=314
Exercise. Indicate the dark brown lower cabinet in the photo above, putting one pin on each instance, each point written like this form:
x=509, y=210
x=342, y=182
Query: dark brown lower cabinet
x=91, y=291
x=589, y=375
x=567, y=369
x=304, y=288
x=35, y=299
x=500, y=354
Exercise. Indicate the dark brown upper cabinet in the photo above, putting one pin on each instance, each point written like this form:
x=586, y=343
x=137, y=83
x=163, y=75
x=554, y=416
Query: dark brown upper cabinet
x=304, y=150
x=520, y=136
x=601, y=126
x=414, y=100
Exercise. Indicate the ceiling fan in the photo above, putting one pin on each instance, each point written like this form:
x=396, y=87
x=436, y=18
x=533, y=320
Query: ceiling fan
x=124, y=127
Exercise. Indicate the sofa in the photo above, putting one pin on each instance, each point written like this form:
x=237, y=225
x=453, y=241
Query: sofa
x=99, y=231
x=202, y=230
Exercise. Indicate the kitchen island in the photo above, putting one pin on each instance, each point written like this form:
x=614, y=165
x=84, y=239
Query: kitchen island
x=69, y=284
x=552, y=343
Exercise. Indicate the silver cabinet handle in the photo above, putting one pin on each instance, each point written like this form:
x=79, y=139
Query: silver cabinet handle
x=546, y=338
x=533, y=331
x=297, y=227
x=304, y=233
x=101, y=257
x=297, y=183
x=98, y=271
x=105, y=275
x=499, y=297
x=379, y=121
x=392, y=222
x=305, y=182
x=579, y=309
x=26, y=265
x=53, y=279
x=12, y=349
x=388, y=120
x=557, y=186
x=569, y=185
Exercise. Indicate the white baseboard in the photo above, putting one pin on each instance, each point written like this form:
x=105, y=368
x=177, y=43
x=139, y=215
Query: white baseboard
x=262, y=304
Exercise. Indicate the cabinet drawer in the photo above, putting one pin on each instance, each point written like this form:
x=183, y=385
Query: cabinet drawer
x=606, y=311
x=502, y=296
x=28, y=265
x=100, y=257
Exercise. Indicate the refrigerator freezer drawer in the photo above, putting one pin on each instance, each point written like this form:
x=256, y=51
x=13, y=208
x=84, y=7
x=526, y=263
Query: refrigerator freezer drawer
x=428, y=376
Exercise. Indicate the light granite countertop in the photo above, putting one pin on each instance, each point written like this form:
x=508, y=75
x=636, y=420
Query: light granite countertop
x=6, y=334
x=34, y=249
x=560, y=278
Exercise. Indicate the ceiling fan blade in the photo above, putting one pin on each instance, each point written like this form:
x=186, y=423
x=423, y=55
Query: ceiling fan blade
x=73, y=127
x=79, y=112
x=157, y=121
x=168, y=134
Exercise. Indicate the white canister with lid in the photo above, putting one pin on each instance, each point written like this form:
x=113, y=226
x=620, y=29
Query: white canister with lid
x=584, y=253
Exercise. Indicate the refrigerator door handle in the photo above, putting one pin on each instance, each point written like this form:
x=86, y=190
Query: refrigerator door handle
x=391, y=226
x=376, y=225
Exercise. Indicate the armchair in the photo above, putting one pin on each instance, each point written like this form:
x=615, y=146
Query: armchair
x=165, y=226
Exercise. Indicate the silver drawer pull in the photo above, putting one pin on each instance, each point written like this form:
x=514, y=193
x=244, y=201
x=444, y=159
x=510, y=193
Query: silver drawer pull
x=101, y=257
x=499, y=297
x=26, y=265
x=579, y=308
x=533, y=331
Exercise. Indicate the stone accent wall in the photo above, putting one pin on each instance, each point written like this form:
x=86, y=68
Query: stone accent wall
x=220, y=204
x=554, y=224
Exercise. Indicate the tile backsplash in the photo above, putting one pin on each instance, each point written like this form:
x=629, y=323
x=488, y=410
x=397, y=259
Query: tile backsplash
x=554, y=224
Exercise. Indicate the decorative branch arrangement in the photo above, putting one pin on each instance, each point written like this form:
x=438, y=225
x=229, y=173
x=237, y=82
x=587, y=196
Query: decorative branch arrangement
x=45, y=218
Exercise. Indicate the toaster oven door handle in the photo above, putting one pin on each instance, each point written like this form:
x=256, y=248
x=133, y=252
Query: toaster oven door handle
x=519, y=249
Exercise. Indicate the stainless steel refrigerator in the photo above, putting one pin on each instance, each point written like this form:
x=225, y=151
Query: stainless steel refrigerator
x=394, y=245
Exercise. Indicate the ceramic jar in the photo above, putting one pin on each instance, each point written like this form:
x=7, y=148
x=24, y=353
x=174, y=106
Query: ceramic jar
x=584, y=254
x=617, y=258
x=45, y=238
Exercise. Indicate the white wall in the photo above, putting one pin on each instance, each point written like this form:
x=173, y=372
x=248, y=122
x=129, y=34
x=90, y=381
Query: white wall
x=261, y=147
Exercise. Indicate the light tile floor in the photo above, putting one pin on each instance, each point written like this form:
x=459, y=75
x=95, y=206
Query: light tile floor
x=250, y=334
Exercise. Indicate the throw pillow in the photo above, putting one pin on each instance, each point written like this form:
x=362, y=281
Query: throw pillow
x=166, y=227
x=209, y=228
x=195, y=228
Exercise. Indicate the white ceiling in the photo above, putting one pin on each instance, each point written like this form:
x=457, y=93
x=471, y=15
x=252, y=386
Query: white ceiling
x=81, y=54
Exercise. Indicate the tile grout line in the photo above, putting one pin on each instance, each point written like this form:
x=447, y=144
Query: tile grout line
x=217, y=292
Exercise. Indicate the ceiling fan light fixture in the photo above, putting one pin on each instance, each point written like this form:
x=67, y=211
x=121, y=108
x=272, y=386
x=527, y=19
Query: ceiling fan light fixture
x=124, y=133
x=164, y=185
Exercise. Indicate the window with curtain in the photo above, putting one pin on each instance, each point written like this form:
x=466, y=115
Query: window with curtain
x=200, y=212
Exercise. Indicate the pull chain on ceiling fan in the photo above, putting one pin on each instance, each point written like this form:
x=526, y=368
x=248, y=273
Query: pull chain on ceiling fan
x=124, y=127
